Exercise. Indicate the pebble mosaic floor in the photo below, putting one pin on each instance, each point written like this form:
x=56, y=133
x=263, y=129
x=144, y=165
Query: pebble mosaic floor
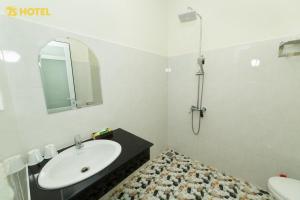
x=174, y=176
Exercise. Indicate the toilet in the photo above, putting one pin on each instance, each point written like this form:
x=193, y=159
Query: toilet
x=284, y=188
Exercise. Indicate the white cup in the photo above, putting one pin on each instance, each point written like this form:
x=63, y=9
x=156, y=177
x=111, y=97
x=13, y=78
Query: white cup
x=50, y=151
x=34, y=157
x=14, y=164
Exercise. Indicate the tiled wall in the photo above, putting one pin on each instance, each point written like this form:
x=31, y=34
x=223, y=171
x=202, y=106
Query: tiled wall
x=134, y=90
x=251, y=128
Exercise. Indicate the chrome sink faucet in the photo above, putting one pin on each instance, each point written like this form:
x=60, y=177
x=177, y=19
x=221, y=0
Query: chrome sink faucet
x=78, y=142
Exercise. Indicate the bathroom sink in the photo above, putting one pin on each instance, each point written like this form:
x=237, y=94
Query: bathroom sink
x=74, y=165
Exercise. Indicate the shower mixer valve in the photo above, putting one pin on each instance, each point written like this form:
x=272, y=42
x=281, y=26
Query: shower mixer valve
x=201, y=110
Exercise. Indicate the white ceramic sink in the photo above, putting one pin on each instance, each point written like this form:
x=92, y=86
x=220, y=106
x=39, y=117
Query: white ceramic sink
x=74, y=165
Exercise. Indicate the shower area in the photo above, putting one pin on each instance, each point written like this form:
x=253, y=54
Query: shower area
x=234, y=101
x=189, y=16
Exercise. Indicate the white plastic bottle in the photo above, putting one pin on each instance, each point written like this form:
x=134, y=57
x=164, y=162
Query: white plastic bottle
x=6, y=192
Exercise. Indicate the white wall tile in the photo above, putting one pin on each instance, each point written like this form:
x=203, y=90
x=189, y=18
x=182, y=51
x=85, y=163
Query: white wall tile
x=251, y=128
x=134, y=89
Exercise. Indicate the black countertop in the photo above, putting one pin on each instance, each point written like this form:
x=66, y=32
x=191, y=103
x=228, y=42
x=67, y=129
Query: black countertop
x=132, y=146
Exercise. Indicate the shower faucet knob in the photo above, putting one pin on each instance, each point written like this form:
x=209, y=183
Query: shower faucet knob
x=202, y=111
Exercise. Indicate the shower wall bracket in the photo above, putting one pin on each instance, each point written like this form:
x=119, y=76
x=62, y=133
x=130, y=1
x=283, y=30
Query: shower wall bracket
x=289, y=48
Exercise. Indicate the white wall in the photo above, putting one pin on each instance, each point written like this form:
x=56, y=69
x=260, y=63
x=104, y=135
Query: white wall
x=230, y=22
x=251, y=128
x=133, y=23
x=134, y=89
x=8, y=129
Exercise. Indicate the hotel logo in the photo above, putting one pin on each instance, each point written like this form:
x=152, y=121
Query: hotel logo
x=14, y=11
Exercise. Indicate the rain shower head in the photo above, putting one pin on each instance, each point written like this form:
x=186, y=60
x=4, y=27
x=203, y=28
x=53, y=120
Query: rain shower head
x=188, y=16
x=191, y=15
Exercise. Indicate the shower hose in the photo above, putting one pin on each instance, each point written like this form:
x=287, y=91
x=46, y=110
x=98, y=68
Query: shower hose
x=199, y=105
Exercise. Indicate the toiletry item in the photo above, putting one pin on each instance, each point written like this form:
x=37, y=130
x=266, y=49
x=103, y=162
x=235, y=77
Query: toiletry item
x=34, y=157
x=50, y=151
x=102, y=134
x=14, y=164
x=6, y=191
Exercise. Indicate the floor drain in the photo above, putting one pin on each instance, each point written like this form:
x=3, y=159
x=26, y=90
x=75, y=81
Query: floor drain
x=85, y=169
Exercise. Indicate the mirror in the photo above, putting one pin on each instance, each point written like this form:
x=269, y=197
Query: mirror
x=70, y=75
